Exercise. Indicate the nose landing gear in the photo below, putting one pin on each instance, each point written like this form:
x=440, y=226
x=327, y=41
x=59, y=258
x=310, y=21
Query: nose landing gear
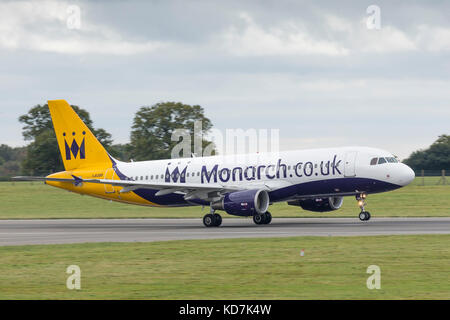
x=363, y=215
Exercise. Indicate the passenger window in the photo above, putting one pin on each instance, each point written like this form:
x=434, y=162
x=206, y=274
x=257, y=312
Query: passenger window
x=373, y=161
x=381, y=160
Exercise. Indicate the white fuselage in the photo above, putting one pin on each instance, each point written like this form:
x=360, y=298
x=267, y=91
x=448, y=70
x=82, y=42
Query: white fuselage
x=287, y=175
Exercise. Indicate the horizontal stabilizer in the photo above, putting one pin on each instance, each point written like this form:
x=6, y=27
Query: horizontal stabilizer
x=30, y=178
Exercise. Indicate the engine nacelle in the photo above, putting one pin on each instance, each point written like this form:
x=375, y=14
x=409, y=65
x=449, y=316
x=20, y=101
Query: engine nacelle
x=319, y=204
x=244, y=203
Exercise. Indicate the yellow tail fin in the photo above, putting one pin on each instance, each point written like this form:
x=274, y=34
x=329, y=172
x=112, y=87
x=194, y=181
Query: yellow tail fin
x=78, y=146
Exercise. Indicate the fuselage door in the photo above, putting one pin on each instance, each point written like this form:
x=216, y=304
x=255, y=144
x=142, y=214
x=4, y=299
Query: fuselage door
x=350, y=163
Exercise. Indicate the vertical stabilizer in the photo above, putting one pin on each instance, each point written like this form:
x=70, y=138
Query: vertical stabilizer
x=78, y=146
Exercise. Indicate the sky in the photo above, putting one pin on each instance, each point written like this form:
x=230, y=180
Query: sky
x=325, y=73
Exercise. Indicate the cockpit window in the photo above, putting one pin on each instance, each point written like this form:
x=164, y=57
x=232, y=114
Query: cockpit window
x=382, y=160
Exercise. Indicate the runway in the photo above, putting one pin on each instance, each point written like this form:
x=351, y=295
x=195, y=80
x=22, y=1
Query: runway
x=23, y=232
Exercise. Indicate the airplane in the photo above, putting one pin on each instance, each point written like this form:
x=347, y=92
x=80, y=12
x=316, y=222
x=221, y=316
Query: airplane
x=315, y=180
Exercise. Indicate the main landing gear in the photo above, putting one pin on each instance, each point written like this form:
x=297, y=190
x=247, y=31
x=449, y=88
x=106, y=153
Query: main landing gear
x=212, y=219
x=363, y=215
x=264, y=218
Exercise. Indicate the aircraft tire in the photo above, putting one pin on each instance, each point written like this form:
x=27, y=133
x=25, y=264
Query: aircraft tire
x=267, y=218
x=217, y=220
x=259, y=218
x=208, y=220
x=364, y=215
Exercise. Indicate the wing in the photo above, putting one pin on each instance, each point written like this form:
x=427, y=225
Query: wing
x=207, y=192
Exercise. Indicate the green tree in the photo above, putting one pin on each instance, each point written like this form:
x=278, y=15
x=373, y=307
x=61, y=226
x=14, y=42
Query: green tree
x=436, y=157
x=153, y=128
x=120, y=151
x=6, y=152
x=43, y=156
x=10, y=160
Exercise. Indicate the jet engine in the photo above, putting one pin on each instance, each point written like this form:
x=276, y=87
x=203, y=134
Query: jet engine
x=319, y=204
x=244, y=203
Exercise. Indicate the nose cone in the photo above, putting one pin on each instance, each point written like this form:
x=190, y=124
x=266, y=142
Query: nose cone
x=405, y=175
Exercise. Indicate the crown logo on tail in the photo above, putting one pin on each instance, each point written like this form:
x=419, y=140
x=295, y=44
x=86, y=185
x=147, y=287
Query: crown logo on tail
x=74, y=148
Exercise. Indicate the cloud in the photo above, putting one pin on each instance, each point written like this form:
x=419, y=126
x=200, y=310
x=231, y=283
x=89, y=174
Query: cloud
x=424, y=38
x=287, y=38
x=433, y=38
x=387, y=39
x=43, y=26
x=336, y=36
x=314, y=70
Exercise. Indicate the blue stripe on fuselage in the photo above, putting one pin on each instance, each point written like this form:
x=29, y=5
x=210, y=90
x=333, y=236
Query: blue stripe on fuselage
x=344, y=185
x=330, y=186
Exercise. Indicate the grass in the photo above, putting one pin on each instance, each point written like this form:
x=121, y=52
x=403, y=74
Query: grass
x=25, y=200
x=412, y=267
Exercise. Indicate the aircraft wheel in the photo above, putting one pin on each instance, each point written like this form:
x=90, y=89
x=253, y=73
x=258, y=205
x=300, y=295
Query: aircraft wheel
x=267, y=217
x=364, y=216
x=217, y=219
x=259, y=218
x=208, y=220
